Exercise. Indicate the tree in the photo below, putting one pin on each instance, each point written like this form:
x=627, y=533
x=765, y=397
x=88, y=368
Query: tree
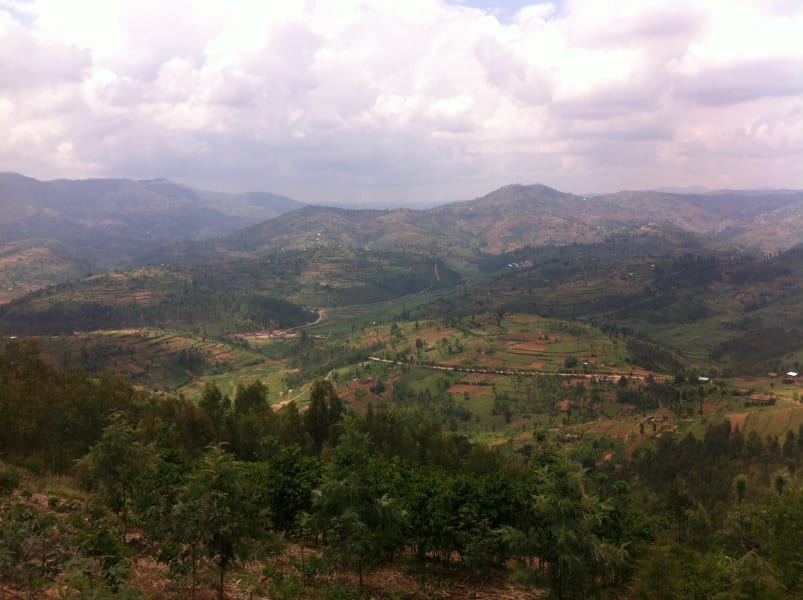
x=569, y=535
x=360, y=521
x=253, y=419
x=217, y=407
x=288, y=480
x=115, y=465
x=213, y=516
x=324, y=413
x=250, y=398
x=783, y=529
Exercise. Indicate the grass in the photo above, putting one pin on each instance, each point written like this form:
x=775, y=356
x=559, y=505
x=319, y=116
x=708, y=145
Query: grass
x=155, y=358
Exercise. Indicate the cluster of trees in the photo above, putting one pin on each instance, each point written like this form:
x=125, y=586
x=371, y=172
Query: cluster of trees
x=317, y=360
x=213, y=485
x=220, y=311
x=730, y=510
x=759, y=350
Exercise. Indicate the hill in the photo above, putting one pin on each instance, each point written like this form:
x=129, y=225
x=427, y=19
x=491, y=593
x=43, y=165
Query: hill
x=733, y=312
x=98, y=224
x=517, y=216
x=225, y=295
x=146, y=296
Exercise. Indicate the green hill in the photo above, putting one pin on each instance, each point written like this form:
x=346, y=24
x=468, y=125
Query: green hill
x=225, y=295
x=106, y=223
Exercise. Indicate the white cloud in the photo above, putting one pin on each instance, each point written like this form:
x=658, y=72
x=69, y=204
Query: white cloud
x=404, y=102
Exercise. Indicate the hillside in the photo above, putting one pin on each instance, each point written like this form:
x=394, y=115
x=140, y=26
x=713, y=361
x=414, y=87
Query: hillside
x=92, y=225
x=225, y=295
x=517, y=216
x=106, y=223
x=146, y=297
x=108, y=490
x=728, y=311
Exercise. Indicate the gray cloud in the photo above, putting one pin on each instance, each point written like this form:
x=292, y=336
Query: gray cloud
x=744, y=81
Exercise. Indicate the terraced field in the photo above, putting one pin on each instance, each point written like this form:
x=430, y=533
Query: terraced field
x=25, y=268
x=155, y=358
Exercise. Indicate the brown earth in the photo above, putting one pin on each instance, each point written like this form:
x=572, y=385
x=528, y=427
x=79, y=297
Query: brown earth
x=737, y=420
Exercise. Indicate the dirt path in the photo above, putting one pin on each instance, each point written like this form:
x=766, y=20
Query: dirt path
x=612, y=376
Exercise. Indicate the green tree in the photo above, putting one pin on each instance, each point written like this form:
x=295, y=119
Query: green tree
x=213, y=516
x=361, y=522
x=782, y=524
x=289, y=478
x=218, y=408
x=568, y=532
x=324, y=413
x=114, y=466
x=253, y=420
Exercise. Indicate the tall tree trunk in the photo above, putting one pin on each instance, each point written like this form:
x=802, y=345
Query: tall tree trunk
x=194, y=570
x=222, y=570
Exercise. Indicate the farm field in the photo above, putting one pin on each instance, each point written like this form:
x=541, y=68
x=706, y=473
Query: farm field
x=24, y=269
x=493, y=375
x=151, y=357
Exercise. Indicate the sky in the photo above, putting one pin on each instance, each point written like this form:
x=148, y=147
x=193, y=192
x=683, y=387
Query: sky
x=408, y=103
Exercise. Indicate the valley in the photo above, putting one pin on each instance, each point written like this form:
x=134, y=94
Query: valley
x=510, y=345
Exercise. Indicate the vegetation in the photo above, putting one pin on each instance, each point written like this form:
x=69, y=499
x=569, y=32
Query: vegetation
x=227, y=484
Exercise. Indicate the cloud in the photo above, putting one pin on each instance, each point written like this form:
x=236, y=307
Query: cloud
x=404, y=103
x=748, y=80
x=29, y=61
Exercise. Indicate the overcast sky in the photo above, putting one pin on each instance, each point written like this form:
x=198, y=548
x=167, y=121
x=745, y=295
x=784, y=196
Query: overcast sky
x=404, y=103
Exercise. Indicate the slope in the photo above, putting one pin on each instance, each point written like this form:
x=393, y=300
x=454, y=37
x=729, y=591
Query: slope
x=105, y=223
x=514, y=217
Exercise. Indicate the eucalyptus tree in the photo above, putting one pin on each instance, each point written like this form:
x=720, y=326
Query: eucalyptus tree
x=115, y=465
x=569, y=532
x=213, y=517
x=324, y=413
x=355, y=510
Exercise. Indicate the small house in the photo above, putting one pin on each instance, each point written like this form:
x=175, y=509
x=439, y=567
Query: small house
x=760, y=400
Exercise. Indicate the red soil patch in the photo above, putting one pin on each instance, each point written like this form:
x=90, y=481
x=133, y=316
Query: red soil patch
x=142, y=297
x=737, y=420
x=459, y=388
x=779, y=421
x=531, y=347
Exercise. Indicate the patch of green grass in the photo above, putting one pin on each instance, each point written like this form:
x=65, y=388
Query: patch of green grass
x=611, y=409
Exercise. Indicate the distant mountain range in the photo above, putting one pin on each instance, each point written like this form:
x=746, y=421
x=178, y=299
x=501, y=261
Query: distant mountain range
x=52, y=231
x=516, y=216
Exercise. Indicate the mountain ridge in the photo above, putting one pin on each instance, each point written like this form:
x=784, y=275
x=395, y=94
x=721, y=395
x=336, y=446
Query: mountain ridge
x=516, y=216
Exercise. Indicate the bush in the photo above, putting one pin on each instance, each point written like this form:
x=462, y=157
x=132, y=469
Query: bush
x=10, y=478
